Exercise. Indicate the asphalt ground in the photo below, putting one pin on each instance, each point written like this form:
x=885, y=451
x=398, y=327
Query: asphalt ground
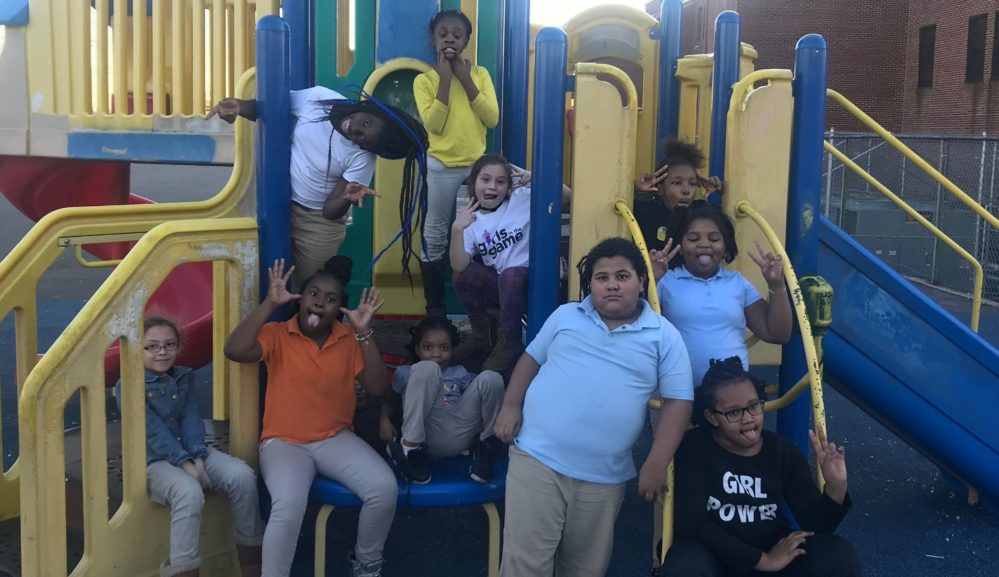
x=905, y=519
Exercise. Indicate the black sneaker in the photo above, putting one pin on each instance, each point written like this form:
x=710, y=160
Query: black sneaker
x=411, y=466
x=484, y=459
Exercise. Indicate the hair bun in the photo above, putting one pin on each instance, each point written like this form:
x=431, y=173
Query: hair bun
x=340, y=267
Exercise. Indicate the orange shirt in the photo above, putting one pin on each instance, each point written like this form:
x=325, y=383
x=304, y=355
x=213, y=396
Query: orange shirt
x=310, y=390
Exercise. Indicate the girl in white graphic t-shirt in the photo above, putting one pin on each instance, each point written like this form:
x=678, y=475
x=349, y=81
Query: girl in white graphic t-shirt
x=495, y=226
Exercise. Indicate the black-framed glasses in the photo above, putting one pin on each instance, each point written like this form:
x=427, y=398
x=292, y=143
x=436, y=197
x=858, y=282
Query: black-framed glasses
x=735, y=415
x=157, y=347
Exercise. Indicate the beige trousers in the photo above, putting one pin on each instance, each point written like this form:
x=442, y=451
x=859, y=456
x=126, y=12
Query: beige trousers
x=314, y=239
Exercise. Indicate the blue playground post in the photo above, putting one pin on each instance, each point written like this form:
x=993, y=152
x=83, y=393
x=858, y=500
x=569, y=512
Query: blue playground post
x=670, y=25
x=273, y=144
x=804, y=187
x=299, y=15
x=516, y=52
x=551, y=56
x=726, y=73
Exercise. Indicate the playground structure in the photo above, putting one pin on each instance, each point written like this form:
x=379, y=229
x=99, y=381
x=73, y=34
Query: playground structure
x=886, y=346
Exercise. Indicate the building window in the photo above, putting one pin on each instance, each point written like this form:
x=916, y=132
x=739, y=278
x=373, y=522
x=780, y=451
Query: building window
x=995, y=50
x=927, y=45
x=974, y=69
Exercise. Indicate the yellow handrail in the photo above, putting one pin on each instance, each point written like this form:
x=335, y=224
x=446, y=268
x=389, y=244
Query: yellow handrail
x=814, y=375
x=913, y=157
x=127, y=542
x=976, y=301
x=636, y=234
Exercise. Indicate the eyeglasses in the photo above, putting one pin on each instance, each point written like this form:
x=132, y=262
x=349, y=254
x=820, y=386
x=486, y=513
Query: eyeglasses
x=157, y=347
x=735, y=415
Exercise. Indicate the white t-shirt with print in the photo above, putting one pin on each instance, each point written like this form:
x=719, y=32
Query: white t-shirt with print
x=502, y=236
x=321, y=156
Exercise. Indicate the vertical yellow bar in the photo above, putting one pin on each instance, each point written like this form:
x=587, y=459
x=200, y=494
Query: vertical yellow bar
x=197, y=57
x=221, y=368
x=79, y=59
x=217, y=59
x=119, y=31
x=101, y=61
x=240, y=41
x=140, y=32
x=61, y=50
x=159, y=58
x=230, y=65
x=178, y=88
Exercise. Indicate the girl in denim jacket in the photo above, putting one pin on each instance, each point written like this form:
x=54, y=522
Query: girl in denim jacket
x=181, y=467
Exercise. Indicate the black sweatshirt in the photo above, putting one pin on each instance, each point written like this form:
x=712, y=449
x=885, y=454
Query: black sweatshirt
x=732, y=504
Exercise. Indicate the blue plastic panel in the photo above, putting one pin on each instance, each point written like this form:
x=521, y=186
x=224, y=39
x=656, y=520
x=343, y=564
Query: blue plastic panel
x=404, y=30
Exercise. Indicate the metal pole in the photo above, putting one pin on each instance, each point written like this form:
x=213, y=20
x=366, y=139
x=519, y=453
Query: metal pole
x=726, y=73
x=273, y=144
x=978, y=220
x=670, y=26
x=551, y=56
x=941, y=167
x=829, y=169
x=842, y=189
x=516, y=55
x=804, y=193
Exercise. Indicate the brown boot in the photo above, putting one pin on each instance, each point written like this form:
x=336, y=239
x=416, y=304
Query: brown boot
x=506, y=352
x=475, y=343
x=249, y=560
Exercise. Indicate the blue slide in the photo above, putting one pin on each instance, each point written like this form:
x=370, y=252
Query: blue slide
x=911, y=365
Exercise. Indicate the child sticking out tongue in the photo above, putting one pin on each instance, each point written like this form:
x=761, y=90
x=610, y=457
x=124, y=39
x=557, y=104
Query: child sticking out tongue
x=313, y=320
x=704, y=259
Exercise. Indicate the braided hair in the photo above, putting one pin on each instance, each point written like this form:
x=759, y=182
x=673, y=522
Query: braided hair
x=721, y=372
x=431, y=323
x=403, y=138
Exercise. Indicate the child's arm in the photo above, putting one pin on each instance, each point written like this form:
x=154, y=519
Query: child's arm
x=229, y=108
x=161, y=441
x=457, y=253
x=479, y=90
x=524, y=177
x=242, y=345
x=512, y=412
x=192, y=428
x=770, y=321
x=672, y=425
x=815, y=511
x=344, y=195
x=433, y=105
x=374, y=375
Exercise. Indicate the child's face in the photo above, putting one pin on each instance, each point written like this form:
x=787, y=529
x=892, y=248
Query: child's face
x=320, y=304
x=160, y=345
x=615, y=288
x=450, y=37
x=680, y=186
x=435, y=345
x=363, y=129
x=744, y=436
x=703, y=248
x=492, y=186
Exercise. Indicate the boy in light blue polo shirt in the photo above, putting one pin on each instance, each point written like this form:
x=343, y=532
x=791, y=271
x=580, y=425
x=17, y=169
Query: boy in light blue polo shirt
x=575, y=406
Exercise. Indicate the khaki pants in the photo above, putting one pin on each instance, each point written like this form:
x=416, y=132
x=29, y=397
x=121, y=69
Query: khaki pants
x=556, y=524
x=314, y=239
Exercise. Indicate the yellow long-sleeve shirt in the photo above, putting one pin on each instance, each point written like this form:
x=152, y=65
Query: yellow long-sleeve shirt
x=457, y=130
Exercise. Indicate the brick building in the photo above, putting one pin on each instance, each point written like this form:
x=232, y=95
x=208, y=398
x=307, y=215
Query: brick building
x=914, y=65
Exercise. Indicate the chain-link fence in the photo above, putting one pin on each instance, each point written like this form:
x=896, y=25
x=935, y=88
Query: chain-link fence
x=863, y=212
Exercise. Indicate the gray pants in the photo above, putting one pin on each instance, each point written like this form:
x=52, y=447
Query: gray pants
x=448, y=431
x=170, y=485
x=288, y=470
x=555, y=524
x=443, y=183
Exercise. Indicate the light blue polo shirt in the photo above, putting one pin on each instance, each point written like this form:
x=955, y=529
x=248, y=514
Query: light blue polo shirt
x=586, y=407
x=709, y=313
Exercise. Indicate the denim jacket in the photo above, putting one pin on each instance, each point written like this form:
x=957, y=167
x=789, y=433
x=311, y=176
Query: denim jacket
x=174, y=431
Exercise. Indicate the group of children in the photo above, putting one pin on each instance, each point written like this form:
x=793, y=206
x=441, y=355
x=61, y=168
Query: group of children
x=576, y=398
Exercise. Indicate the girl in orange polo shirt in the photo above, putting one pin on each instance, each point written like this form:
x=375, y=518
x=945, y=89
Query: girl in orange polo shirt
x=312, y=362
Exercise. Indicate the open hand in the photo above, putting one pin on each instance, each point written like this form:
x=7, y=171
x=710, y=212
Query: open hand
x=831, y=460
x=770, y=265
x=522, y=176
x=649, y=181
x=710, y=184
x=355, y=192
x=466, y=215
x=660, y=258
x=227, y=109
x=360, y=318
x=277, y=292
x=785, y=551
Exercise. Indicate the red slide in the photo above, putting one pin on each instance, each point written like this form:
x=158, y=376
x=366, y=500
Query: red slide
x=37, y=186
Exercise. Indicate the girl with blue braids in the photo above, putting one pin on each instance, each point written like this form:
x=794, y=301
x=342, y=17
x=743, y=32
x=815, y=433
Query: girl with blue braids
x=334, y=142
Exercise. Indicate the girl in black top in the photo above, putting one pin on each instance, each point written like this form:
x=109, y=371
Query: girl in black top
x=732, y=480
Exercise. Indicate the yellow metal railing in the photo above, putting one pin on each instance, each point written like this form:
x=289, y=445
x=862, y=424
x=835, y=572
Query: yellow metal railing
x=22, y=268
x=94, y=59
x=914, y=158
x=131, y=541
x=976, y=295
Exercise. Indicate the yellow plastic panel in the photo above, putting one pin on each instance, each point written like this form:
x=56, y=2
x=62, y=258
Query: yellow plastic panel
x=694, y=74
x=603, y=161
x=14, y=112
x=620, y=36
x=757, y=162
